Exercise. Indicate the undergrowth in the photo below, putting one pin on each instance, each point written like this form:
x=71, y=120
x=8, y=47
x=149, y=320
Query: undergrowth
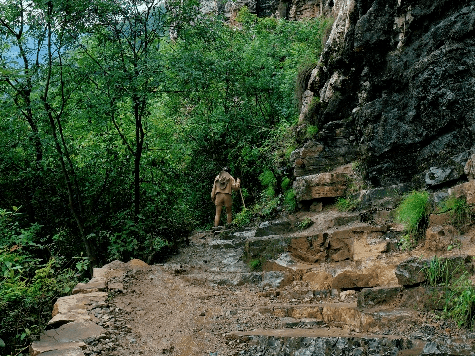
x=459, y=292
x=459, y=210
x=412, y=213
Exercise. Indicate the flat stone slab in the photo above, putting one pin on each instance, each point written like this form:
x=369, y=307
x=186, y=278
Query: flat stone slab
x=75, y=331
x=323, y=185
x=267, y=247
x=52, y=349
x=354, y=280
x=369, y=297
x=75, y=307
x=96, y=284
x=322, y=342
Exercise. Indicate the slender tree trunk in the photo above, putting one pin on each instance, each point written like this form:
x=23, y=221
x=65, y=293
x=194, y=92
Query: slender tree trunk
x=139, y=136
x=72, y=193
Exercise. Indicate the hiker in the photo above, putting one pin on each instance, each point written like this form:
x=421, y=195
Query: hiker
x=223, y=186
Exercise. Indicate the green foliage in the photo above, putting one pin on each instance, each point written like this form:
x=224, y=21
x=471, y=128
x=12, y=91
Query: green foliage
x=29, y=283
x=460, y=304
x=255, y=264
x=413, y=211
x=441, y=271
x=453, y=276
x=346, y=204
x=312, y=130
x=407, y=242
x=459, y=210
x=290, y=203
x=305, y=223
x=243, y=218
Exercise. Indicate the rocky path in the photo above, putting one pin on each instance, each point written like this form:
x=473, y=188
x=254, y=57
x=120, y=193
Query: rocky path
x=334, y=286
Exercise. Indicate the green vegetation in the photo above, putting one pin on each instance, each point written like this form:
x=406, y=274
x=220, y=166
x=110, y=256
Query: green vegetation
x=305, y=223
x=111, y=134
x=255, y=264
x=413, y=212
x=346, y=204
x=458, y=209
x=31, y=280
x=311, y=131
x=459, y=292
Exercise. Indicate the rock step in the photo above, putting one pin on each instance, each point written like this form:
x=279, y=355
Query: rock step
x=333, y=341
x=342, y=315
x=356, y=243
x=322, y=342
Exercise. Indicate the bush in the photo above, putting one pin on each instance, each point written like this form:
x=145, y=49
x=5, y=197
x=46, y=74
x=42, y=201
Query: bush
x=413, y=212
x=29, y=284
x=460, y=214
x=459, y=290
x=346, y=204
x=255, y=265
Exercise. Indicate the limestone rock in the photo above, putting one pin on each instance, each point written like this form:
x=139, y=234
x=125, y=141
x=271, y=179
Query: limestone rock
x=369, y=297
x=267, y=247
x=438, y=238
x=323, y=185
x=273, y=279
x=96, y=284
x=398, y=85
x=469, y=168
x=318, y=280
x=354, y=280
x=411, y=272
x=74, y=307
x=276, y=227
x=466, y=190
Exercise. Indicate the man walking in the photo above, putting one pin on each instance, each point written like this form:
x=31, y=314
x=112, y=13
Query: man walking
x=223, y=186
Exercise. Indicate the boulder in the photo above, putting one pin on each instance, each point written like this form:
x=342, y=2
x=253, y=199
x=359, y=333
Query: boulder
x=466, y=190
x=411, y=271
x=354, y=280
x=323, y=185
x=439, y=238
x=74, y=307
x=369, y=297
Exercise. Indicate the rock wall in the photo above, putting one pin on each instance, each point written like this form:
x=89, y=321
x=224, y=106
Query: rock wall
x=394, y=90
x=292, y=10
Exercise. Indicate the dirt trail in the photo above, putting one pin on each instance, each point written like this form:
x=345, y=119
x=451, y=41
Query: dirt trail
x=170, y=315
x=206, y=300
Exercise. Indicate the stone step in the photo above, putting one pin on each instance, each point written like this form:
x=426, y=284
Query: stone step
x=358, y=242
x=322, y=342
x=342, y=315
x=333, y=341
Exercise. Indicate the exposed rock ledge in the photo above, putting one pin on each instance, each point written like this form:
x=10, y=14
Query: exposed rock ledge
x=71, y=324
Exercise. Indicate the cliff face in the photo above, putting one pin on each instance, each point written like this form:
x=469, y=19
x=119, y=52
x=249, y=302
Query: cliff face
x=288, y=9
x=394, y=90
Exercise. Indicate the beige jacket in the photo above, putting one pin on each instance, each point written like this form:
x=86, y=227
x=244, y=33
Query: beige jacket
x=224, y=183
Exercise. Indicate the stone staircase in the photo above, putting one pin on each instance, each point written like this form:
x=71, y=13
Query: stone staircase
x=329, y=282
x=339, y=287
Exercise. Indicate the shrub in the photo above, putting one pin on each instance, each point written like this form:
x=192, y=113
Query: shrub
x=459, y=210
x=243, y=218
x=413, y=212
x=255, y=265
x=459, y=290
x=345, y=204
x=29, y=283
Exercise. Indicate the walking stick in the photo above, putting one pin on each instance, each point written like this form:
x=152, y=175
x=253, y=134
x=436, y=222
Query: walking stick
x=242, y=198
